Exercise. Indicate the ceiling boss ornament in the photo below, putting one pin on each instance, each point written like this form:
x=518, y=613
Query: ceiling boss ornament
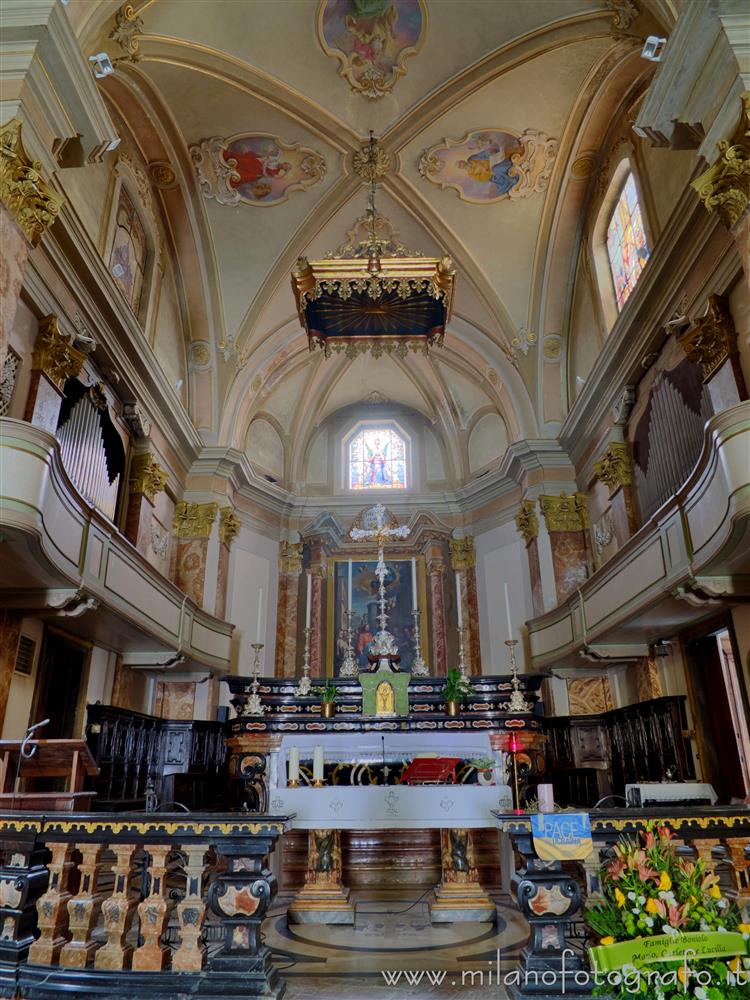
x=371, y=39
x=374, y=295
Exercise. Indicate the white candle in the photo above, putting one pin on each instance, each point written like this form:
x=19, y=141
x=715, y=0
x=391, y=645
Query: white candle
x=293, y=764
x=309, y=600
x=414, y=602
x=507, y=612
x=349, y=603
x=260, y=615
x=546, y=796
x=459, y=609
x=318, y=763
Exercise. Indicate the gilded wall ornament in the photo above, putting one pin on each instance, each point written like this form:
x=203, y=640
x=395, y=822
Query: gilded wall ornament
x=371, y=39
x=32, y=202
x=725, y=187
x=194, y=520
x=290, y=557
x=526, y=521
x=360, y=238
x=137, y=420
x=229, y=526
x=565, y=512
x=712, y=338
x=524, y=341
x=147, y=476
x=463, y=552
x=128, y=26
x=162, y=174
x=615, y=467
x=254, y=168
x=54, y=355
x=491, y=164
x=200, y=353
x=371, y=162
x=624, y=12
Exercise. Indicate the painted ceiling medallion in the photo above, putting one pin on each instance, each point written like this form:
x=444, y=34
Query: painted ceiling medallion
x=255, y=168
x=371, y=39
x=491, y=164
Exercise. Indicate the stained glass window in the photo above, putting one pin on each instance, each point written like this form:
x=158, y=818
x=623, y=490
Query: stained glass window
x=627, y=248
x=377, y=460
x=127, y=261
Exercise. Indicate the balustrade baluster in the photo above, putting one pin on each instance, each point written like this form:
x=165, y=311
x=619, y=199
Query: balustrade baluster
x=191, y=912
x=739, y=865
x=704, y=851
x=83, y=910
x=52, y=906
x=117, y=911
x=154, y=913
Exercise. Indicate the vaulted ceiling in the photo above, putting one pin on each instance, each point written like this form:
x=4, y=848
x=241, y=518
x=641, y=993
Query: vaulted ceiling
x=224, y=68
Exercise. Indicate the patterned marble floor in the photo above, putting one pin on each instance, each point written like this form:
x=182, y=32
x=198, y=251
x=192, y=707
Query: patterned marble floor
x=393, y=952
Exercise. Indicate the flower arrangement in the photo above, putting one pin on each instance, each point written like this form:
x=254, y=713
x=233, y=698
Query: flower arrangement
x=327, y=693
x=653, y=899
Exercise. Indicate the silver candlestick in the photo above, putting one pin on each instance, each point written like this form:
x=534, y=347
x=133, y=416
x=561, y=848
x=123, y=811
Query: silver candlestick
x=350, y=667
x=461, y=659
x=418, y=666
x=517, y=701
x=254, y=704
x=305, y=684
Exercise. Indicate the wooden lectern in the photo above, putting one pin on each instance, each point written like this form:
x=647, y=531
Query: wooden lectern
x=53, y=759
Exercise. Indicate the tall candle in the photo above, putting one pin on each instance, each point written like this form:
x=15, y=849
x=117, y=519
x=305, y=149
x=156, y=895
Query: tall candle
x=507, y=612
x=293, y=764
x=459, y=609
x=414, y=603
x=349, y=601
x=260, y=615
x=309, y=600
x=318, y=763
x=546, y=796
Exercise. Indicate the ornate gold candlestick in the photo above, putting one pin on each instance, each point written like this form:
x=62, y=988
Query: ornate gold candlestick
x=418, y=666
x=254, y=704
x=517, y=701
x=350, y=667
x=305, y=684
x=461, y=655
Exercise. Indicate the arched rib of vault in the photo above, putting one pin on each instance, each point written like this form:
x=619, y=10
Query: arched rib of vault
x=132, y=93
x=595, y=110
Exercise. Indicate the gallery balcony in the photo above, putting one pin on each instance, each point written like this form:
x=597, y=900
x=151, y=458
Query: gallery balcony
x=61, y=557
x=693, y=553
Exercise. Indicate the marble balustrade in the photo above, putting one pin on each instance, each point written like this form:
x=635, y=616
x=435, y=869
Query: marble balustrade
x=125, y=904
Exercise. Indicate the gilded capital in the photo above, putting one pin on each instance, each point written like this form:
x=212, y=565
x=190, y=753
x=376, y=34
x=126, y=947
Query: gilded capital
x=147, y=476
x=526, y=521
x=229, y=526
x=29, y=199
x=725, y=187
x=194, y=520
x=435, y=567
x=566, y=512
x=463, y=553
x=712, y=338
x=615, y=467
x=290, y=557
x=54, y=354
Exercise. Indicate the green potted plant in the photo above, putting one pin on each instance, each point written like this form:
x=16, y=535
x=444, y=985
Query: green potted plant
x=456, y=691
x=327, y=694
x=664, y=915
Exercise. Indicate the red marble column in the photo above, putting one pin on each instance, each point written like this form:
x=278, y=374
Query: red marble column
x=318, y=568
x=288, y=663
x=435, y=562
x=12, y=270
x=147, y=478
x=192, y=526
x=528, y=527
x=464, y=560
x=568, y=524
x=229, y=528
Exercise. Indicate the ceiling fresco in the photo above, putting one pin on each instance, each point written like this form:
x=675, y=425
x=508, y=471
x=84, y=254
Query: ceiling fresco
x=253, y=104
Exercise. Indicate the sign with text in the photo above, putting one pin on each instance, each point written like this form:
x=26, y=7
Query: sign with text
x=668, y=948
x=562, y=836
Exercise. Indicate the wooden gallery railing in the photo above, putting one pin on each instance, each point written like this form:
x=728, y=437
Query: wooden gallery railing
x=551, y=894
x=127, y=905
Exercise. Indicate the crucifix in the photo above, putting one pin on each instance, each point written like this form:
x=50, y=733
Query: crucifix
x=376, y=529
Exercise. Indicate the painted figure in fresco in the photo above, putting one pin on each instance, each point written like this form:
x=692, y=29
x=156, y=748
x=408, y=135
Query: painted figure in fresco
x=377, y=472
x=256, y=168
x=491, y=164
x=371, y=24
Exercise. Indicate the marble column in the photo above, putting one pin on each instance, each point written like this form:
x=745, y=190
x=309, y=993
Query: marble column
x=53, y=361
x=615, y=470
x=290, y=568
x=147, y=479
x=567, y=520
x=725, y=187
x=435, y=563
x=28, y=206
x=527, y=523
x=711, y=342
x=319, y=569
x=192, y=527
x=229, y=528
x=464, y=561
